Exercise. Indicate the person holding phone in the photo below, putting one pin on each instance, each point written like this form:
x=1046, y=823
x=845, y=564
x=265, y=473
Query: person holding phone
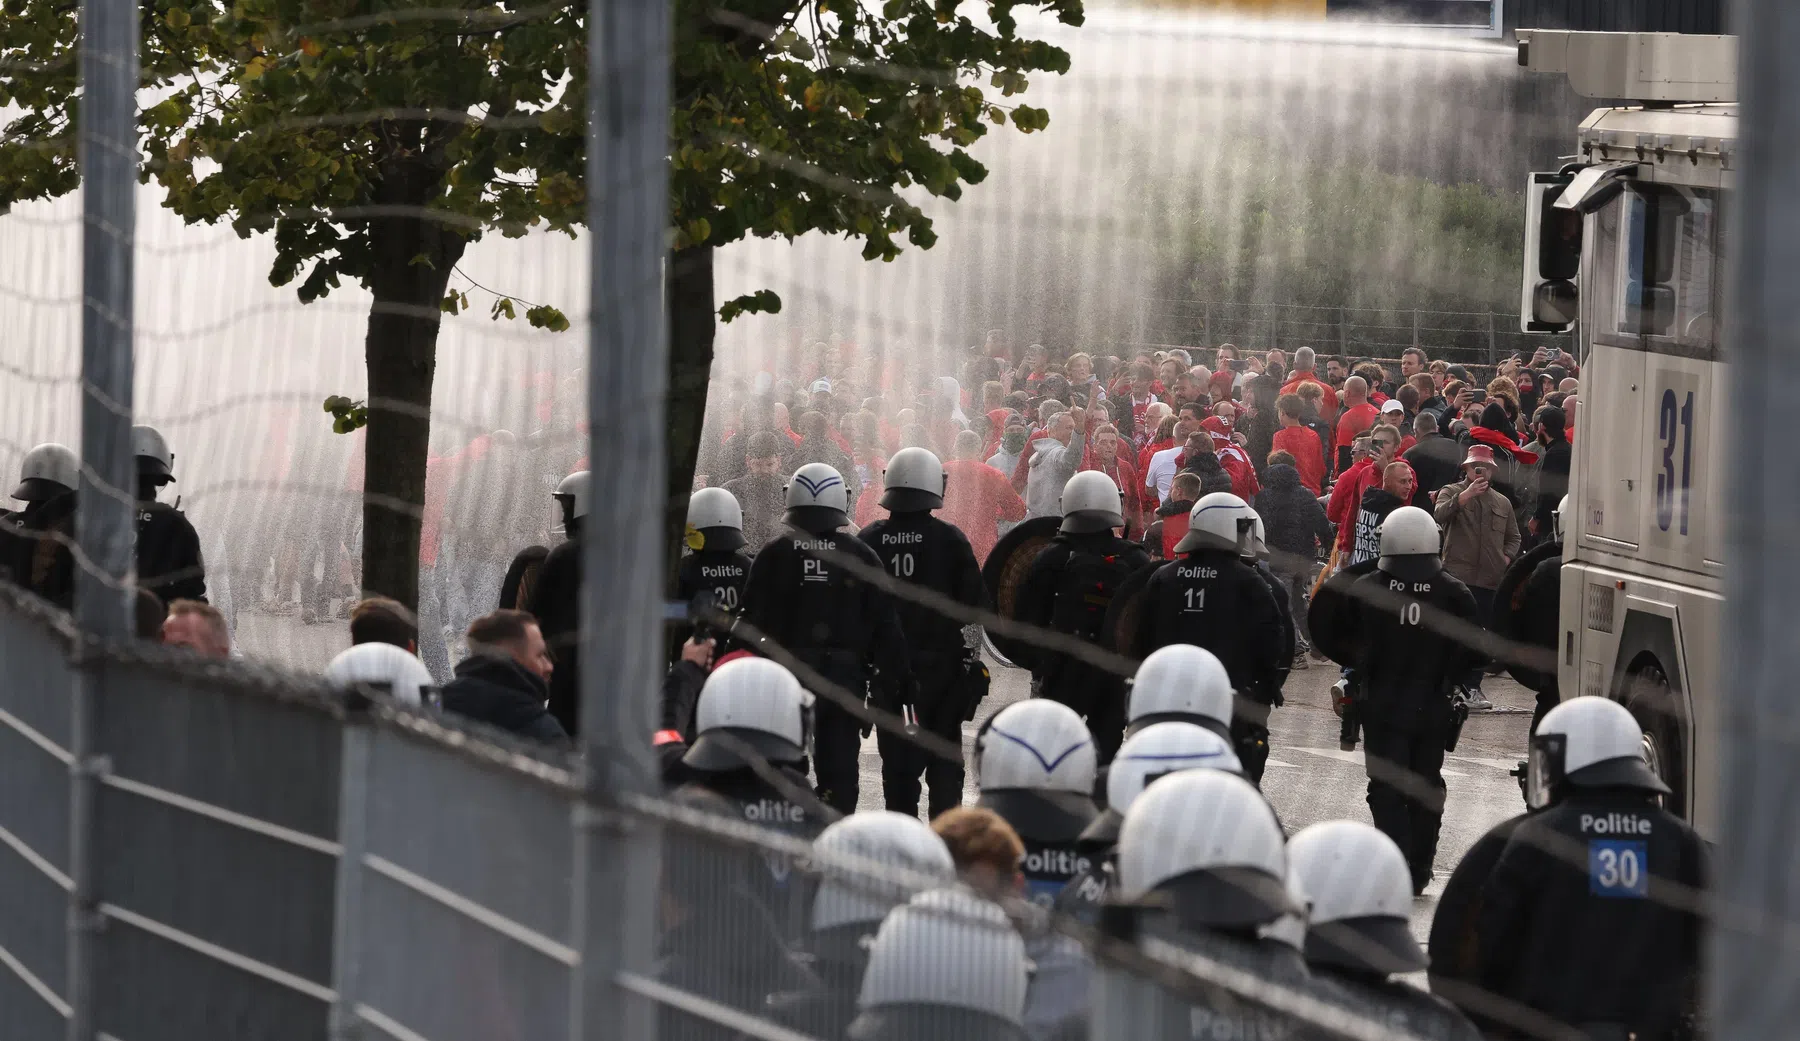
x=1481, y=536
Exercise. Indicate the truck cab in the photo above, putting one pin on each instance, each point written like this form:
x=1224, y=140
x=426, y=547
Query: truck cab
x=1642, y=206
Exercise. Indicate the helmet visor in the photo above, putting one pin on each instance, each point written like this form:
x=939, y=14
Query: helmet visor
x=1544, y=769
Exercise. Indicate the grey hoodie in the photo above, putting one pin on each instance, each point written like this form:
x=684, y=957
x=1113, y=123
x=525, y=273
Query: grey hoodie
x=1052, y=464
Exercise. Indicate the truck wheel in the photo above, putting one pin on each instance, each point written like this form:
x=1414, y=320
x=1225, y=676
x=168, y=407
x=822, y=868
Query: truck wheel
x=1652, y=701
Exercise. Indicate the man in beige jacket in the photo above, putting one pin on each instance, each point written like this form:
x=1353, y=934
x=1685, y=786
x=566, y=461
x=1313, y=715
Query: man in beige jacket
x=1481, y=536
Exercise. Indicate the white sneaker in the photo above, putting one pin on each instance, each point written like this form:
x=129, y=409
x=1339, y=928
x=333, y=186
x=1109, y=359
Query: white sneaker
x=1478, y=702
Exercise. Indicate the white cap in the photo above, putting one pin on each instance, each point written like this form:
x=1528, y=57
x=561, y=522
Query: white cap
x=1360, y=890
x=575, y=489
x=397, y=669
x=1210, y=841
x=1219, y=520
x=1183, y=682
x=914, y=480
x=948, y=948
x=1091, y=502
x=755, y=702
x=883, y=837
x=1162, y=749
x=821, y=386
x=47, y=471
x=1392, y=405
x=817, y=500
x=1036, y=744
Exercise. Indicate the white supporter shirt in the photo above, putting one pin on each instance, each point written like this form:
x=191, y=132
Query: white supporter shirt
x=1162, y=469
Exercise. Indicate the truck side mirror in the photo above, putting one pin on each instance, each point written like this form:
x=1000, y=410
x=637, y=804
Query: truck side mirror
x=1549, y=296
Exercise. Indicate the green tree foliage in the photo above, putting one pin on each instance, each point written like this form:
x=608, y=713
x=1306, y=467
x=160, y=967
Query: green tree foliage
x=375, y=140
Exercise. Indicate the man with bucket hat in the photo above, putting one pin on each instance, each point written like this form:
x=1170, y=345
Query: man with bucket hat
x=1481, y=536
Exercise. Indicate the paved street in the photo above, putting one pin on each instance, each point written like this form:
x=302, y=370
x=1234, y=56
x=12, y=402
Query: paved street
x=1308, y=779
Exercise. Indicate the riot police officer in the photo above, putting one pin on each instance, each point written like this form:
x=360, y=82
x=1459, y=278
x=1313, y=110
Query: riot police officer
x=1526, y=609
x=947, y=966
x=1408, y=667
x=847, y=911
x=1201, y=857
x=1035, y=764
x=801, y=597
x=717, y=562
x=34, y=542
x=1068, y=589
x=1592, y=915
x=920, y=549
x=1210, y=598
x=1182, y=683
x=1358, y=933
x=1155, y=750
x=555, y=600
x=168, y=548
x=395, y=670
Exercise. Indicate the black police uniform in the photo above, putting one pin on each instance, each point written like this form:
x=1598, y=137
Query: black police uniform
x=1082, y=896
x=32, y=554
x=1407, y=669
x=168, y=553
x=1210, y=598
x=556, y=603
x=918, y=548
x=721, y=572
x=1591, y=915
x=1527, y=605
x=1069, y=587
x=1050, y=824
x=842, y=627
x=1455, y=943
x=1402, y=1007
x=1228, y=1017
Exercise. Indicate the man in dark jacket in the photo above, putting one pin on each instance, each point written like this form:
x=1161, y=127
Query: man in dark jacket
x=1553, y=469
x=505, y=680
x=1436, y=460
x=1395, y=491
x=1296, y=530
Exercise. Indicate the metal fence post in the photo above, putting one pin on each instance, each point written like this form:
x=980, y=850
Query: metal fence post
x=1415, y=327
x=627, y=190
x=1754, y=978
x=1343, y=333
x=1493, y=342
x=105, y=516
x=1206, y=325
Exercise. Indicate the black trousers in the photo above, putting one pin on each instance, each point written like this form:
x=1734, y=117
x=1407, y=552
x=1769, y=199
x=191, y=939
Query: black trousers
x=1097, y=697
x=1406, y=789
x=837, y=742
x=1484, y=616
x=1251, y=742
x=902, y=762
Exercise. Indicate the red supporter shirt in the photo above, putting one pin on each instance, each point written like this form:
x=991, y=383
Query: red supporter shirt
x=977, y=498
x=1328, y=405
x=1308, y=453
x=1354, y=422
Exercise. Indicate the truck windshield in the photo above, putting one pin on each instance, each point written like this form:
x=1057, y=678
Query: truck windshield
x=1665, y=246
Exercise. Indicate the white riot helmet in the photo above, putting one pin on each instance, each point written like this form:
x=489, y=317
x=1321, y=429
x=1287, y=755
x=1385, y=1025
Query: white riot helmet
x=383, y=665
x=1360, y=890
x=1038, y=745
x=1208, y=841
x=884, y=837
x=1162, y=749
x=574, y=496
x=47, y=471
x=1180, y=682
x=1407, y=532
x=915, y=481
x=154, y=460
x=1091, y=502
x=1587, y=742
x=715, y=516
x=1557, y=517
x=817, y=501
x=1219, y=521
x=1290, y=928
x=1256, y=547
x=750, y=707
x=949, y=966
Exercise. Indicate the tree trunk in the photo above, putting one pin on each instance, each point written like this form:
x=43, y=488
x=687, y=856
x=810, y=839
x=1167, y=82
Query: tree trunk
x=689, y=294
x=401, y=352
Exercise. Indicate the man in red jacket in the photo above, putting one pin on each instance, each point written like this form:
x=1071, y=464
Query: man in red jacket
x=1303, y=444
x=977, y=497
x=1305, y=363
x=1365, y=473
x=1103, y=455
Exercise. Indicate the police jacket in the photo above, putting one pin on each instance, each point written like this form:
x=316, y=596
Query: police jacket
x=1331, y=617
x=498, y=691
x=34, y=556
x=917, y=548
x=1526, y=608
x=1455, y=942
x=1212, y=599
x=1049, y=823
x=1228, y=1017
x=1284, y=657
x=720, y=572
x=556, y=602
x=822, y=612
x=168, y=553
x=1591, y=913
x=1403, y=1008
x=1408, y=665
